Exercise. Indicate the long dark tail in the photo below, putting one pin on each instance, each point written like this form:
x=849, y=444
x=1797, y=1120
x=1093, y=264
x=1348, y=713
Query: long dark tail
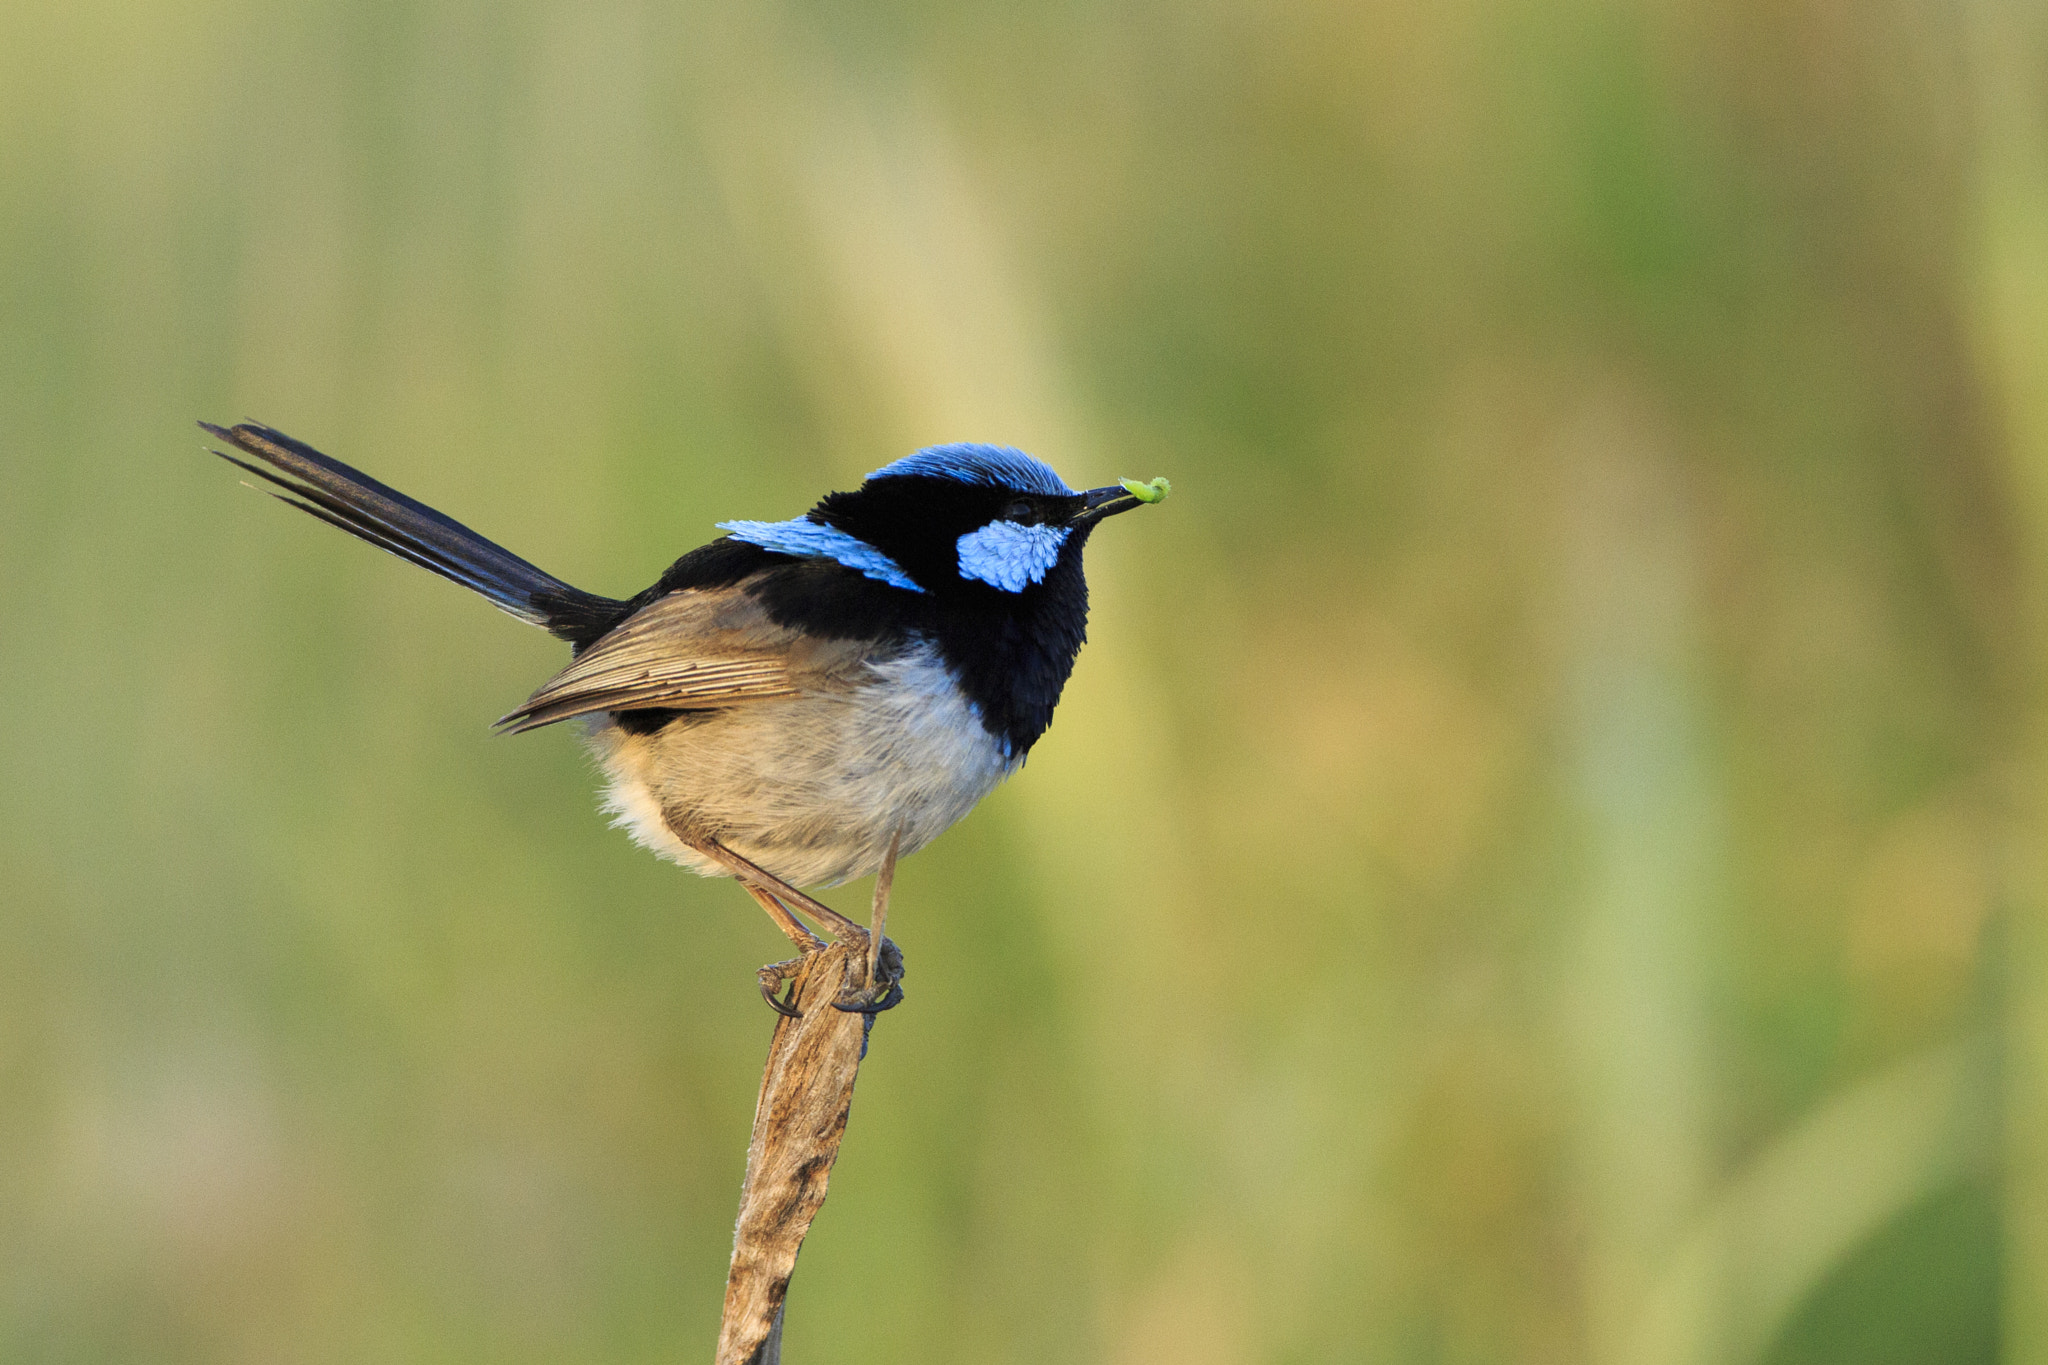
x=359, y=505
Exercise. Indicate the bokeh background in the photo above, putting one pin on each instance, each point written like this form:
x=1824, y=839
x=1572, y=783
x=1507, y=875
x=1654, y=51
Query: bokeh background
x=1539, y=862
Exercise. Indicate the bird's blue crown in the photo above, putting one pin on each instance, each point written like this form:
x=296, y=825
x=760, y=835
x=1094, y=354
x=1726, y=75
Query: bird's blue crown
x=987, y=465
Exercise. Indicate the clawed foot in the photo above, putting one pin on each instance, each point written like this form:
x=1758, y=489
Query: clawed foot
x=773, y=977
x=885, y=990
x=881, y=960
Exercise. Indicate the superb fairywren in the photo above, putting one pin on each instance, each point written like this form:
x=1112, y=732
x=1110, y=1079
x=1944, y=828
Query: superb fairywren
x=798, y=702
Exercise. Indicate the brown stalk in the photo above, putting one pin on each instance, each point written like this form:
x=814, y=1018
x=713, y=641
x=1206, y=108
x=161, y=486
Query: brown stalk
x=806, y=1094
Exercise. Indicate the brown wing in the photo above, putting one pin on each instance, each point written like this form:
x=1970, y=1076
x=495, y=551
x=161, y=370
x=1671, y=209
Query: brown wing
x=689, y=650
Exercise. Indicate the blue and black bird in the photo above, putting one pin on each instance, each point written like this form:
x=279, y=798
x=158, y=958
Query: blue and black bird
x=798, y=702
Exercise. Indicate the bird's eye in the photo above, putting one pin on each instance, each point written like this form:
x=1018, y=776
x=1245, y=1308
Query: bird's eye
x=1018, y=511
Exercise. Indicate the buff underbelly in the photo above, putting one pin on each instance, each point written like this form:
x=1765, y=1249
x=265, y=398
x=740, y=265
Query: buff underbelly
x=812, y=788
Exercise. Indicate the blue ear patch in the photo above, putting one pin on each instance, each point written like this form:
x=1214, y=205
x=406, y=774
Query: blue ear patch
x=1010, y=555
x=989, y=466
x=806, y=538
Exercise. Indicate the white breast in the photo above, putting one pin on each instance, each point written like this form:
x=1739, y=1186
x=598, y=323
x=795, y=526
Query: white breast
x=811, y=788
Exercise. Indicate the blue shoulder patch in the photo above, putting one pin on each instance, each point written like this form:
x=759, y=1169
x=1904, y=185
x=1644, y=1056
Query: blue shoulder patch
x=993, y=466
x=809, y=539
x=1010, y=555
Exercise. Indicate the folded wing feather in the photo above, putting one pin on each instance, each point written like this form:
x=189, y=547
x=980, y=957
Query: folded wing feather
x=692, y=649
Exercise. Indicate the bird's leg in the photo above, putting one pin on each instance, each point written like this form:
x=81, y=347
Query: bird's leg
x=750, y=877
x=878, y=917
x=775, y=974
x=770, y=889
x=883, y=992
x=806, y=942
x=780, y=894
x=754, y=875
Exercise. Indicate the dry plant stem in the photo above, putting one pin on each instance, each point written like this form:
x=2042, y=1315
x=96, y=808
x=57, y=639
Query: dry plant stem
x=806, y=1094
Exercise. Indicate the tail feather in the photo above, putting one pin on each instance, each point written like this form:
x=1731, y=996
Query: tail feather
x=347, y=498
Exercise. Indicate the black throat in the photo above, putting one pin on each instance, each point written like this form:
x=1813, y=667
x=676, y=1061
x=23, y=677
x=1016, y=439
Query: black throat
x=1013, y=652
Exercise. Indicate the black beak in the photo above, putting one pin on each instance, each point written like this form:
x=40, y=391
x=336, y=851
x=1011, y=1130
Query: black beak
x=1098, y=503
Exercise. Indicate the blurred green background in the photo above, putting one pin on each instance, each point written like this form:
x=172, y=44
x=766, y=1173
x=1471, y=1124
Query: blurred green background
x=1539, y=863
